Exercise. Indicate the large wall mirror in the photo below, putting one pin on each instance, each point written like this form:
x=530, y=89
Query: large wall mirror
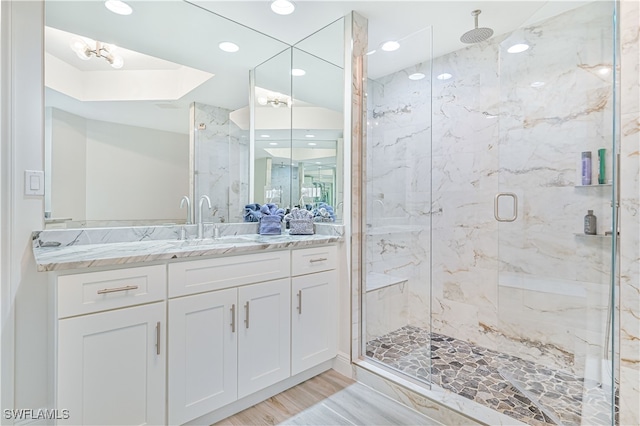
x=160, y=114
x=298, y=137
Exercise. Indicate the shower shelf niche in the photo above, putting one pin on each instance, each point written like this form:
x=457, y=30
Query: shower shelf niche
x=376, y=281
x=593, y=185
x=592, y=236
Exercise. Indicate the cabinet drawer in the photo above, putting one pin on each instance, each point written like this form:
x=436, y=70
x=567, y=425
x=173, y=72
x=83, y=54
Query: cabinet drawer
x=215, y=274
x=308, y=261
x=98, y=291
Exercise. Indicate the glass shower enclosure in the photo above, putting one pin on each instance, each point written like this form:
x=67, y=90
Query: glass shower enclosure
x=479, y=276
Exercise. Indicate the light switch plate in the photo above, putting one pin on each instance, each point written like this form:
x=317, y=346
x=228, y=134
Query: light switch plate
x=33, y=182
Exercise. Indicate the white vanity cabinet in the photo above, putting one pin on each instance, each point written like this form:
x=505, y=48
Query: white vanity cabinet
x=314, y=311
x=192, y=340
x=226, y=344
x=111, y=349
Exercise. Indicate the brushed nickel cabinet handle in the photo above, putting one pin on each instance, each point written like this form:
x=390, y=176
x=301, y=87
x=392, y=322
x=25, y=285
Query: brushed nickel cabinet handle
x=114, y=290
x=233, y=318
x=321, y=259
x=246, y=314
x=158, y=338
x=300, y=302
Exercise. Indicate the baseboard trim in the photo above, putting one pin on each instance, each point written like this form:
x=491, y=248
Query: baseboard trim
x=342, y=364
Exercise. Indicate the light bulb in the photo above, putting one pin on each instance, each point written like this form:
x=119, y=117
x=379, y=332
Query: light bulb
x=262, y=100
x=119, y=7
x=117, y=62
x=282, y=7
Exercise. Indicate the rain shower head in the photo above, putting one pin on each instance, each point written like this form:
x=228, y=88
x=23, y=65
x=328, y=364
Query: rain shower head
x=476, y=35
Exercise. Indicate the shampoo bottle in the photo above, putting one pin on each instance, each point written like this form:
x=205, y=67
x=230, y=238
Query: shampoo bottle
x=590, y=223
x=586, y=168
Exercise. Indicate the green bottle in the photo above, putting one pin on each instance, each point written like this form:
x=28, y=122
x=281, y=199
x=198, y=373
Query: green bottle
x=601, y=172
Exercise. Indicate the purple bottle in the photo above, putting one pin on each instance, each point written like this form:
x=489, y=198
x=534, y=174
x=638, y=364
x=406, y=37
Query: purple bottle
x=586, y=168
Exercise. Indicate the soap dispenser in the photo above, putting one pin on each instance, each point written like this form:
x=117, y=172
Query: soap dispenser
x=590, y=223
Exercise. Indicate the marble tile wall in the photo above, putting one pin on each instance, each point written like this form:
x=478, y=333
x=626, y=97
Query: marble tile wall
x=535, y=288
x=221, y=163
x=629, y=213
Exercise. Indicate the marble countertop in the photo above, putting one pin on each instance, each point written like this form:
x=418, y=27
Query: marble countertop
x=122, y=253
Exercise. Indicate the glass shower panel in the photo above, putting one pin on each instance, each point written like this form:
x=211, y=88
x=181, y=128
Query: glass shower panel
x=554, y=314
x=398, y=210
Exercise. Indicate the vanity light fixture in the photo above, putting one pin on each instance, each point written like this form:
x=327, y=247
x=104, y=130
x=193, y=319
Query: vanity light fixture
x=227, y=46
x=87, y=49
x=390, y=46
x=275, y=102
x=416, y=76
x=297, y=72
x=444, y=76
x=518, y=48
x=118, y=6
x=282, y=7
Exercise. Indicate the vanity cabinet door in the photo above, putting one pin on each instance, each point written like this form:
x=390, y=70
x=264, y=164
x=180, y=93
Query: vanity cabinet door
x=202, y=354
x=111, y=367
x=314, y=326
x=264, y=339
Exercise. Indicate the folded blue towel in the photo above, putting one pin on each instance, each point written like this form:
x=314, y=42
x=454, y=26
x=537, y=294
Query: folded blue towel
x=270, y=225
x=252, y=213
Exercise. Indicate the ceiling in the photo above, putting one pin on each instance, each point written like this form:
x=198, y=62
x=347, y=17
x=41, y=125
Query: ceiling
x=174, y=32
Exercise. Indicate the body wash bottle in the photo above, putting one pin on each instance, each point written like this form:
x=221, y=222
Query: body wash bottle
x=601, y=169
x=590, y=223
x=586, y=168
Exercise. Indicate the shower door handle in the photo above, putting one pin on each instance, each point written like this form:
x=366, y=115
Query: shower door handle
x=496, y=202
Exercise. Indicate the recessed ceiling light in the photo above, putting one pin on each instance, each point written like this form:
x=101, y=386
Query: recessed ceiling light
x=297, y=72
x=119, y=7
x=227, y=46
x=537, y=84
x=518, y=48
x=312, y=144
x=282, y=7
x=416, y=76
x=265, y=136
x=273, y=143
x=390, y=46
x=444, y=76
x=309, y=135
x=371, y=52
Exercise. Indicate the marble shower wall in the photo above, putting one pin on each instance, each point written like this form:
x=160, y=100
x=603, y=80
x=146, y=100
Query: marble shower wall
x=534, y=288
x=398, y=180
x=221, y=163
x=629, y=213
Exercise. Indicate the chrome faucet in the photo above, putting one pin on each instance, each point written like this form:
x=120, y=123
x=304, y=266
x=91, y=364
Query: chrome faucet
x=200, y=220
x=184, y=200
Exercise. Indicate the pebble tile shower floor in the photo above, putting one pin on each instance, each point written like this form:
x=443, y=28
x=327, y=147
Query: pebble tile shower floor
x=479, y=374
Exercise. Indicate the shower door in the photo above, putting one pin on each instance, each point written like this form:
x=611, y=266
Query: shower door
x=555, y=287
x=396, y=242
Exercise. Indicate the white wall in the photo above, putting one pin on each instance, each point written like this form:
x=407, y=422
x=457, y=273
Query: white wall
x=68, y=165
x=123, y=162
x=23, y=290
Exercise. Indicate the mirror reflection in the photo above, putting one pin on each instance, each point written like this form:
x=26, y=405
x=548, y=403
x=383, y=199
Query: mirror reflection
x=299, y=123
x=138, y=117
